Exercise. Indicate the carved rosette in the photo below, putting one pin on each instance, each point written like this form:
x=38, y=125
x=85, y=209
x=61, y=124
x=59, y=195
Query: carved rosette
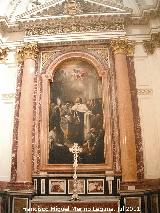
x=28, y=51
x=124, y=46
x=3, y=54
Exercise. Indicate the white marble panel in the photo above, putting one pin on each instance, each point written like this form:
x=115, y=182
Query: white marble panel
x=148, y=77
x=6, y=126
x=142, y=71
x=150, y=136
x=7, y=90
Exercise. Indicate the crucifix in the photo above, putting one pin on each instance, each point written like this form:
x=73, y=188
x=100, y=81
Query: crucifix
x=75, y=150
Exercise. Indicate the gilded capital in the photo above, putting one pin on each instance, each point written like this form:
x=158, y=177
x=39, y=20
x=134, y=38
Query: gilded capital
x=28, y=51
x=3, y=54
x=152, y=44
x=122, y=46
x=149, y=47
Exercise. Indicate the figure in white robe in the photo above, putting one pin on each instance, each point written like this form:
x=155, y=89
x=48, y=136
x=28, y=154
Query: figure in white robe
x=81, y=122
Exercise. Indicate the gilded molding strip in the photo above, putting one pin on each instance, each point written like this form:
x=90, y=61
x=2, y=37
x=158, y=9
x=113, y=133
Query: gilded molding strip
x=101, y=54
x=36, y=111
x=16, y=123
x=76, y=27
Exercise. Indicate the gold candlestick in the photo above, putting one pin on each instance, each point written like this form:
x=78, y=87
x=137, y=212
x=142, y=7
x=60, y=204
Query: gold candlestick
x=75, y=150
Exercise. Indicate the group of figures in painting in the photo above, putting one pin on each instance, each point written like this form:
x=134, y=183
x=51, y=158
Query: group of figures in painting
x=75, y=119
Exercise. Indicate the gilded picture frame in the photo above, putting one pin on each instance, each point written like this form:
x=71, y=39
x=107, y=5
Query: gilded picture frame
x=47, y=79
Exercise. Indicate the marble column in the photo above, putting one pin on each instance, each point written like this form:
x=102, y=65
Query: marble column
x=126, y=123
x=28, y=55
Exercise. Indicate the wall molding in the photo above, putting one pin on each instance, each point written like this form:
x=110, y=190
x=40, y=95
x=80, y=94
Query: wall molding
x=145, y=92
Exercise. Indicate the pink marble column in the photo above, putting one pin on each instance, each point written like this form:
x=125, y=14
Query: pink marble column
x=126, y=123
x=24, y=152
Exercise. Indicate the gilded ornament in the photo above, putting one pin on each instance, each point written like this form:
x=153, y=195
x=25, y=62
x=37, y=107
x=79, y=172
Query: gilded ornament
x=45, y=56
x=72, y=7
x=102, y=52
x=3, y=54
x=28, y=51
x=76, y=27
x=122, y=46
x=152, y=44
x=156, y=39
x=149, y=47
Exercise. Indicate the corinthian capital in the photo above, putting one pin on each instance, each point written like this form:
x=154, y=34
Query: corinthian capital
x=122, y=46
x=151, y=45
x=28, y=51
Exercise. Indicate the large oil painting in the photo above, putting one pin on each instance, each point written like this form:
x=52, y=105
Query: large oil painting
x=76, y=113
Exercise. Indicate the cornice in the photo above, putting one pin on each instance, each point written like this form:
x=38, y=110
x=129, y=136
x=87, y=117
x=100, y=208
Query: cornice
x=125, y=18
x=145, y=16
x=4, y=23
x=13, y=5
x=104, y=3
x=57, y=11
x=78, y=23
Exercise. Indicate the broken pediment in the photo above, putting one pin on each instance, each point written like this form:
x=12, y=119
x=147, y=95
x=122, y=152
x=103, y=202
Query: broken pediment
x=59, y=8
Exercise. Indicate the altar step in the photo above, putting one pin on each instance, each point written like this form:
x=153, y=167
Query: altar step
x=84, y=205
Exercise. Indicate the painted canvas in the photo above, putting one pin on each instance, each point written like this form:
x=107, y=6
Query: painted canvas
x=57, y=186
x=76, y=113
x=95, y=186
x=19, y=205
x=80, y=186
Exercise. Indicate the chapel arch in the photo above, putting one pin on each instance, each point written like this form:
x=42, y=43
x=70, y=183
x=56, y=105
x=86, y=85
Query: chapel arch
x=94, y=61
